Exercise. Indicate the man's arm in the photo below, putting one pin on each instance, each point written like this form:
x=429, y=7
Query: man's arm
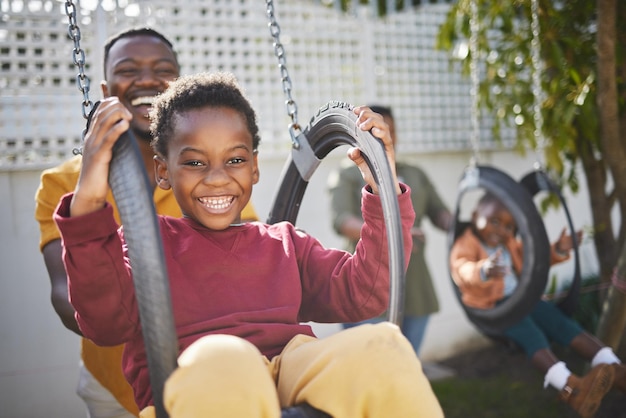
x=443, y=220
x=52, y=255
x=350, y=227
x=344, y=185
x=438, y=212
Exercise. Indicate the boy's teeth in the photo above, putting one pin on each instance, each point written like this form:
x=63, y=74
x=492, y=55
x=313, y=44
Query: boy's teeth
x=146, y=100
x=219, y=203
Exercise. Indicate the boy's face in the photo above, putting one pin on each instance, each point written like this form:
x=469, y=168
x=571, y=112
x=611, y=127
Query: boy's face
x=494, y=224
x=139, y=68
x=211, y=165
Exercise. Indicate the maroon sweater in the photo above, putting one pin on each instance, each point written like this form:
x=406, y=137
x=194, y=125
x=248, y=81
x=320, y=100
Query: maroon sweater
x=255, y=281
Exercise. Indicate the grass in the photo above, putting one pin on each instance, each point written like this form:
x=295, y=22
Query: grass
x=497, y=382
x=496, y=396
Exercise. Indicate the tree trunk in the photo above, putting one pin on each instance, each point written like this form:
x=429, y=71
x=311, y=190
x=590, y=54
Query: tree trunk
x=613, y=318
x=603, y=236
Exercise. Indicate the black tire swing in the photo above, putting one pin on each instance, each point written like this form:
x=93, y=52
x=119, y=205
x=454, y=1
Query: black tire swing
x=334, y=125
x=517, y=199
x=537, y=181
x=131, y=190
x=531, y=229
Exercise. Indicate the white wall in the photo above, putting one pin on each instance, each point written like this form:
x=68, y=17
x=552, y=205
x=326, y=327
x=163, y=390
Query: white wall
x=38, y=357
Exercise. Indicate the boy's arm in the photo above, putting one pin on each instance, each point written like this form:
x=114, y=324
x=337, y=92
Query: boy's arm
x=110, y=120
x=561, y=248
x=99, y=277
x=368, y=120
x=359, y=284
x=343, y=287
x=466, y=262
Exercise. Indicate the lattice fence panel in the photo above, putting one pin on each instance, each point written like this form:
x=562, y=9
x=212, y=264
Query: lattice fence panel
x=331, y=55
x=321, y=49
x=37, y=81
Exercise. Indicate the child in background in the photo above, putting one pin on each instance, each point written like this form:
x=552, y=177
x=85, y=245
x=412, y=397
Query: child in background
x=241, y=291
x=485, y=262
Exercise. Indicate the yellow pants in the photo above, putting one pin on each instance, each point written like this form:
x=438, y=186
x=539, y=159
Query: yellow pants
x=365, y=371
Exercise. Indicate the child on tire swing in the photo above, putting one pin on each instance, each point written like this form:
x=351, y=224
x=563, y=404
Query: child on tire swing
x=485, y=262
x=240, y=291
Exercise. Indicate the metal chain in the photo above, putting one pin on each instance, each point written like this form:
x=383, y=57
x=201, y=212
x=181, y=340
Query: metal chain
x=78, y=56
x=538, y=96
x=473, y=65
x=279, y=51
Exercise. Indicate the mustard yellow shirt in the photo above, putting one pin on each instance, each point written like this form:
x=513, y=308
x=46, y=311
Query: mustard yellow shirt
x=104, y=363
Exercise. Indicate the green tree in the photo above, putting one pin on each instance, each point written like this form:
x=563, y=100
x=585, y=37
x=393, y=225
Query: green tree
x=584, y=95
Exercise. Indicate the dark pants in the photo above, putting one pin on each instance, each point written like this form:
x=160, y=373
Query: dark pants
x=545, y=324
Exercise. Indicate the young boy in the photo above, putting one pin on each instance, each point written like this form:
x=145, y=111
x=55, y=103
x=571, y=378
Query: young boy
x=240, y=292
x=485, y=262
x=138, y=65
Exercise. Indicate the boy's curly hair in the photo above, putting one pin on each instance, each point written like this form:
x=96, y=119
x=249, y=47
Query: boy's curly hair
x=219, y=89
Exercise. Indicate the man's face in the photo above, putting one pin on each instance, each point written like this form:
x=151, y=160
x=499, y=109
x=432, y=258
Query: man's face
x=139, y=68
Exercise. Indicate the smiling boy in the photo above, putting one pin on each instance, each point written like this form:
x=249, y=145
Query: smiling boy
x=241, y=292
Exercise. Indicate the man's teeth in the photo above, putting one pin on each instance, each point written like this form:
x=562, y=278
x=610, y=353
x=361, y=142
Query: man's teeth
x=217, y=203
x=146, y=100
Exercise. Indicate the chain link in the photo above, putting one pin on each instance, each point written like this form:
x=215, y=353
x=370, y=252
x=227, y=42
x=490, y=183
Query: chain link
x=538, y=94
x=279, y=51
x=78, y=56
x=475, y=82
